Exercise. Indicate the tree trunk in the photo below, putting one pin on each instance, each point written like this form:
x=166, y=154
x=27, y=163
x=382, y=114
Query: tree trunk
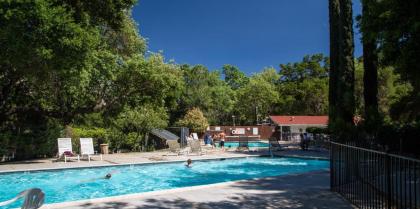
x=146, y=141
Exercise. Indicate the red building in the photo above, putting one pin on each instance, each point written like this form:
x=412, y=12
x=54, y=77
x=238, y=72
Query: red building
x=289, y=127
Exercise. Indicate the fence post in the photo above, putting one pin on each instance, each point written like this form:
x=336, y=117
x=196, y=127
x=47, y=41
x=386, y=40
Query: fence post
x=331, y=166
x=388, y=181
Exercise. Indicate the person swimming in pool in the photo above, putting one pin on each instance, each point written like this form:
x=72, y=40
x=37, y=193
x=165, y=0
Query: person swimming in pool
x=107, y=176
x=189, y=163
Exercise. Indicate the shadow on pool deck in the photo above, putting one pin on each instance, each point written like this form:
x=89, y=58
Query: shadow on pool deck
x=309, y=190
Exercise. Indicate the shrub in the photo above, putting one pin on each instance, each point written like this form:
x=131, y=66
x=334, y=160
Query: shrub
x=194, y=119
x=99, y=135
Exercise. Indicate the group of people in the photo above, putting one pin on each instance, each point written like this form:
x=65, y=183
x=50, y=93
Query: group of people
x=209, y=139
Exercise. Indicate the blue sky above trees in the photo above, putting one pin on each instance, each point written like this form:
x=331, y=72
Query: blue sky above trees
x=251, y=34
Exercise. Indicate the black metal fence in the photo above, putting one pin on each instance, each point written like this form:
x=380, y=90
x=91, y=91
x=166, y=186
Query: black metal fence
x=372, y=179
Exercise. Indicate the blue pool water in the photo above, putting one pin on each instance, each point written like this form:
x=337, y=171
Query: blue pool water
x=250, y=144
x=77, y=184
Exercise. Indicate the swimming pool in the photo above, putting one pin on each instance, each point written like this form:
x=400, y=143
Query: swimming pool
x=78, y=184
x=250, y=144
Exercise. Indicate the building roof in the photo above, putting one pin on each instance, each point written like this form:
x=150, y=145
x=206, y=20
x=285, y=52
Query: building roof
x=301, y=120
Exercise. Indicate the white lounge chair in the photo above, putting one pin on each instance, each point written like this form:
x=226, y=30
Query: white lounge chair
x=175, y=148
x=195, y=147
x=194, y=136
x=65, y=150
x=86, y=148
x=33, y=199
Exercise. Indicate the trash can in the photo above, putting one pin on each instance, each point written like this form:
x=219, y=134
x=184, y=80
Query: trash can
x=104, y=148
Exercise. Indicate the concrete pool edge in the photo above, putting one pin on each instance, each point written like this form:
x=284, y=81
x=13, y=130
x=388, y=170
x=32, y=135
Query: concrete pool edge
x=164, y=192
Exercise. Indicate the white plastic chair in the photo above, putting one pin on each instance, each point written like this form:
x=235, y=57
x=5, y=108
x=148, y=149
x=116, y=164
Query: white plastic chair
x=86, y=148
x=64, y=145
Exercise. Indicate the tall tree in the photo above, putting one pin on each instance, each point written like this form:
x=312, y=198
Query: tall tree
x=334, y=19
x=370, y=62
x=257, y=98
x=68, y=62
x=399, y=34
x=205, y=90
x=346, y=73
x=303, y=86
x=342, y=67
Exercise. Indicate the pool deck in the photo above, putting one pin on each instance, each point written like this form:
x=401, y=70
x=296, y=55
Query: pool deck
x=308, y=190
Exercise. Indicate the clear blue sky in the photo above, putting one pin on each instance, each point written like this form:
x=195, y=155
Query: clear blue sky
x=251, y=34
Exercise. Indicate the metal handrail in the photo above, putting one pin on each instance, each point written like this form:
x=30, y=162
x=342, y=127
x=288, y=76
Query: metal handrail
x=378, y=152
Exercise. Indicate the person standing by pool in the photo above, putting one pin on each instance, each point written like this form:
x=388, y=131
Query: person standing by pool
x=206, y=138
x=307, y=140
x=210, y=140
x=302, y=141
x=222, y=140
x=213, y=140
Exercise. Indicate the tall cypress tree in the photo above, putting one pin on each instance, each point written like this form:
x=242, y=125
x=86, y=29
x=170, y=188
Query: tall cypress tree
x=346, y=100
x=370, y=62
x=342, y=68
x=334, y=14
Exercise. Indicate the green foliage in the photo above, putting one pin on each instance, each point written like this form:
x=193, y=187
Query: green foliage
x=234, y=77
x=109, y=12
x=391, y=90
x=257, y=98
x=316, y=130
x=206, y=91
x=99, y=136
x=43, y=46
x=314, y=66
x=95, y=132
x=63, y=62
x=141, y=119
x=131, y=127
x=358, y=87
x=5, y=140
x=303, y=87
x=194, y=120
x=147, y=81
x=395, y=27
x=35, y=139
